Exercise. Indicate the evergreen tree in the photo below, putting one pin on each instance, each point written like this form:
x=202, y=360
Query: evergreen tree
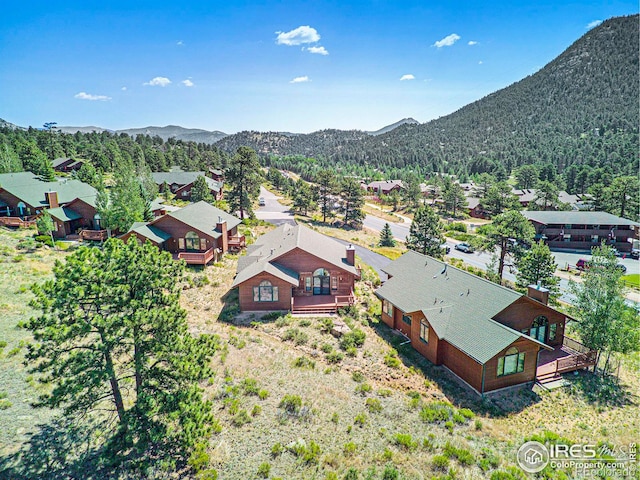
x=243, y=175
x=623, y=197
x=425, y=234
x=303, y=197
x=386, y=237
x=326, y=183
x=112, y=340
x=88, y=174
x=411, y=193
x=547, y=195
x=539, y=265
x=9, y=160
x=527, y=176
x=505, y=233
x=352, y=201
x=606, y=323
x=500, y=198
x=45, y=226
x=166, y=191
x=452, y=196
x=200, y=190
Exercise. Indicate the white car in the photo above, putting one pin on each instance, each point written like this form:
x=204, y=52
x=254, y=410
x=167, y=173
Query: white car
x=261, y=202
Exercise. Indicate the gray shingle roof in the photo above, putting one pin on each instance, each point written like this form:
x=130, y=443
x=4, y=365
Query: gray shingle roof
x=184, y=178
x=458, y=305
x=149, y=231
x=203, y=216
x=28, y=188
x=64, y=214
x=264, y=253
x=574, y=218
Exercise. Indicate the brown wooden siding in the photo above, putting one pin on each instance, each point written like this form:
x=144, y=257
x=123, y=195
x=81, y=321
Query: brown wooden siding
x=428, y=350
x=461, y=364
x=387, y=319
x=177, y=230
x=521, y=314
x=399, y=323
x=305, y=264
x=245, y=291
x=491, y=379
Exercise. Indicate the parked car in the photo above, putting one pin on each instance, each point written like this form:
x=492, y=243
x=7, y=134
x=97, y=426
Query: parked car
x=446, y=248
x=635, y=254
x=261, y=201
x=464, y=247
x=621, y=267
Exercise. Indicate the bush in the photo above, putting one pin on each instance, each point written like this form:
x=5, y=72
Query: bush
x=360, y=419
x=405, y=441
x=241, y=418
x=391, y=359
x=256, y=410
x=295, y=335
x=326, y=325
x=271, y=316
x=264, y=470
x=277, y=449
x=304, y=362
x=355, y=338
x=440, y=462
x=349, y=449
x=199, y=458
x=357, y=377
x=374, y=405
x=511, y=473
x=4, y=404
x=363, y=388
x=436, y=412
x=250, y=386
x=307, y=453
x=390, y=473
x=464, y=456
x=457, y=226
x=291, y=404
x=351, y=474
x=263, y=394
x=335, y=357
x=46, y=239
x=326, y=348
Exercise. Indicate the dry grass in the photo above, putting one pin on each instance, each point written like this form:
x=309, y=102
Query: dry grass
x=382, y=213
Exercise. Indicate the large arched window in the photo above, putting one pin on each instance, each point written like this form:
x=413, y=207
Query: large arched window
x=512, y=362
x=265, y=292
x=321, y=282
x=192, y=241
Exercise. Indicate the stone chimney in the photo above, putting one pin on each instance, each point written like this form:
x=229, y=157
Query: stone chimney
x=538, y=293
x=52, y=199
x=221, y=227
x=351, y=255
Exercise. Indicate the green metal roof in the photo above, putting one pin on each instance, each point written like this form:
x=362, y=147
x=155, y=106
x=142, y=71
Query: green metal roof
x=17, y=178
x=458, y=305
x=203, y=216
x=573, y=218
x=264, y=253
x=149, y=231
x=184, y=178
x=64, y=214
x=29, y=189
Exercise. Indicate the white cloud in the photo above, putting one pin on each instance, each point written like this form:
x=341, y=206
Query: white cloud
x=447, y=41
x=187, y=83
x=88, y=96
x=300, y=79
x=180, y=43
x=472, y=42
x=318, y=50
x=593, y=24
x=407, y=77
x=480, y=62
x=123, y=89
x=158, y=82
x=298, y=36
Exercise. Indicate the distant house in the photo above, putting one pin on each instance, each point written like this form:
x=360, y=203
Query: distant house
x=198, y=233
x=384, y=187
x=489, y=336
x=527, y=198
x=295, y=268
x=78, y=217
x=475, y=208
x=580, y=230
x=216, y=174
x=66, y=164
x=180, y=183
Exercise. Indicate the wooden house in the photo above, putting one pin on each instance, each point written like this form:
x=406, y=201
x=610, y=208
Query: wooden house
x=181, y=183
x=487, y=335
x=198, y=233
x=295, y=268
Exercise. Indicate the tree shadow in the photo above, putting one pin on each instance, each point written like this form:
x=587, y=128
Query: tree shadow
x=606, y=391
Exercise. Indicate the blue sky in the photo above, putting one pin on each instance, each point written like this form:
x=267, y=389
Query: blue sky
x=265, y=65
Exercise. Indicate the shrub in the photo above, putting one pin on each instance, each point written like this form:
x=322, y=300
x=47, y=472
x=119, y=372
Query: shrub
x=307, y=453
x=436, y=412
x=335, y=417
x=262, y=394
x=291, y=404
x=511, y=473
x=304, y=362
x=352, y=351
x=326, y=348
x=464, y=456
x=295, y=335
x=305, y=322
x=241, y=418
x=256, y=410
x=440, y=462
x=264, y=470
x=335, y=357
x=4, y=404
x=354, y=338
x=363, y=388
x=466, y=413
x=374, y=405
x=250, y=386
x=277, y=449
x=357, y=377
x=46, y=239
x=405, y=441
x=326, y=325
x=457, y=227
x=384, y=392
x=390, y=473
x=239, y=343
x=271, y=316
x=199, y=458
x=360, y=419
x=391, y=359
x=352, y=474
x=349, y=449
x=478, y=425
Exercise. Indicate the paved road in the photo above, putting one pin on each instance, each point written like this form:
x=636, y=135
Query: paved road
x=273, y=211
x=373, y=259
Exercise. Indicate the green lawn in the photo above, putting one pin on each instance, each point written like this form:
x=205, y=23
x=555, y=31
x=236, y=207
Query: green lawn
x=632, y=280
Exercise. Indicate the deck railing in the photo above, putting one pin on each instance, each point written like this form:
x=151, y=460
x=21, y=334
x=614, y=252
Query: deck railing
x=575, y=362
x=197, y=258
x=18, y=221
x=94, y=235
x=237, y=241
x=575, y=345
x=345, y=300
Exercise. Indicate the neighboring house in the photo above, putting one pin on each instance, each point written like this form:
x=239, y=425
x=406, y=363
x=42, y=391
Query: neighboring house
x=384, y=187
x=489, y=336
x=475, y=208
x=580, y=230
x=23, y=196
x=66, y=164
x=527, y=198
x=78, y=217
x=158, y=208
x=180, y=183
x=295, y=268
x=216, y=174
x=198, y=233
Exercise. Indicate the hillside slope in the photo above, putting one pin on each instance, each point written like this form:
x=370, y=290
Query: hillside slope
x=580, y=108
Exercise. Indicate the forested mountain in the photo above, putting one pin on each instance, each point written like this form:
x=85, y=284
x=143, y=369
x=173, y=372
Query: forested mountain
x=580, y=110
x=388, y=128
x=170, y=131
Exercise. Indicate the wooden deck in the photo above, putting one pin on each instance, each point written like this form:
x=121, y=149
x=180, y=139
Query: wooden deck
x=93, y=235
x=568, y=357
x=320, y=304
x=197, y=258
x=237, y=242
x=18, y=221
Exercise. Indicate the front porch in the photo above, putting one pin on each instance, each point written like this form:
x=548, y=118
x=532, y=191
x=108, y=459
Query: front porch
x=93, y=235
x=19, y=222
x=321, y=303
x=196, y=258
x=568, y=357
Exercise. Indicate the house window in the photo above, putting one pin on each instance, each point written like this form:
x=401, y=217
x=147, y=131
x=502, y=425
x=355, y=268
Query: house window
x=539, y=328
x=307, y=284
x=553, y=328
x=192, y=241
x=512, y=362
x=424, y=331
x=406, y=318
x=185, y=193
x=265, y=292
x=334, y=283
x=387, y=307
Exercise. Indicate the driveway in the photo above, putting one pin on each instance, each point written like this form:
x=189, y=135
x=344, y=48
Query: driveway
x=273, y=211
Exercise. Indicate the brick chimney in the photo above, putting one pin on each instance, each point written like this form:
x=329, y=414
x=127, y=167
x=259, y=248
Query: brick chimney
x=221, y=227
x=351, y=255
x=538, y=293
x=52, y=199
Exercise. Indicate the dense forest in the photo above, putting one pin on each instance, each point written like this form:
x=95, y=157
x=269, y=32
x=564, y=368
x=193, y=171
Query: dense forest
x=579, y=113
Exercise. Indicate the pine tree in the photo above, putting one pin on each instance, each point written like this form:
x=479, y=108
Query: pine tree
x=386, y=237
x=352, y=201
x=112, y=340
x=326, y=184
x=243, y=175
x=453, y=196
x=500, y=198
x=303, y=197
x=425, y=234
x=539, y=265
x=200, y=190
x=547, y=195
